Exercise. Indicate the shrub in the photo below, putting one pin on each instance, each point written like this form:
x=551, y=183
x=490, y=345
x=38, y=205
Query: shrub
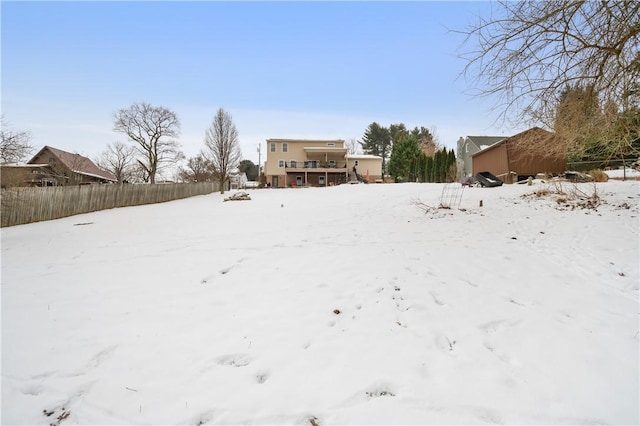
x=598, y=175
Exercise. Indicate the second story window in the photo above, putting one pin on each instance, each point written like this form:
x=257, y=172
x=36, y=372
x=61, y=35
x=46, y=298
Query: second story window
x=281, y=163
x=285, y=147
x=272, y=148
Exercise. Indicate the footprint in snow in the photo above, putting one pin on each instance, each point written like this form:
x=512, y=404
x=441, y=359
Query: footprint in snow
x=204, y=418
x=32, y=389
x=101, y=356
x=436, y=299
x=262, y=376
x=234, y=360
x=498, y=325
x=380, y=391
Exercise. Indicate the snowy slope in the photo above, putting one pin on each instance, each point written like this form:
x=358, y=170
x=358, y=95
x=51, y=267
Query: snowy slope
x=201, y=311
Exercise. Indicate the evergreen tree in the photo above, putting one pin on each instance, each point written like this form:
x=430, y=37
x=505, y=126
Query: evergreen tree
x=397, y=130
x=406, y=151
x=377, y=141
x=426, y=140
x=428, y=169
x=250, y=169
x=437, y=167
x=418, y=167
x=451, y=166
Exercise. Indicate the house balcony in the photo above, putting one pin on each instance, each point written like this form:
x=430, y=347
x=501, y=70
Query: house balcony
x=314, y=166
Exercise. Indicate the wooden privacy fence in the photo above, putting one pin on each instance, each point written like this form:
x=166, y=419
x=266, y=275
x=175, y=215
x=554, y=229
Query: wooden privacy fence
x=26, y=205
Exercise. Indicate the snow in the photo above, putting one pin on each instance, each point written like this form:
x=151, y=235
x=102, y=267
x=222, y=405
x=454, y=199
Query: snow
x=338, y=305
x=622, y=173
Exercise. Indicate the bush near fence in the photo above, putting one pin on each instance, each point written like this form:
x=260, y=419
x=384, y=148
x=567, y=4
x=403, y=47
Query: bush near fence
x=25, y=205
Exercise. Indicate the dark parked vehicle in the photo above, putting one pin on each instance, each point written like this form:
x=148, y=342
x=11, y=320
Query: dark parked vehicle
x=488, y=180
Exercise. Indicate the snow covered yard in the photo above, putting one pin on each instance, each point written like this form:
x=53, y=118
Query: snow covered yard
x=339, y=305
x=627, y=173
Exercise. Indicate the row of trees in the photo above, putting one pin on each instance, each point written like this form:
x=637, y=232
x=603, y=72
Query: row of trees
x=379, y=140
x=594, y=132
x=413, y=155
x=153, y=130
x=571, y=66
x=409, y=162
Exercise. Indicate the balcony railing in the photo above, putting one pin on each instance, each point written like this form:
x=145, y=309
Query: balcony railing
x=313, y=164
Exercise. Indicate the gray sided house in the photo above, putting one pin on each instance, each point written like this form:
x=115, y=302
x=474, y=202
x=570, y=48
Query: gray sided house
x=55, y=167
x=468, y=146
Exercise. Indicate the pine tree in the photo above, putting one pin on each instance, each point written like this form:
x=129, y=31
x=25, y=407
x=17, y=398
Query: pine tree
x=397, y=130
x=426, y=139
x=435, y=170
x=406, y=151
x=428, y=168
x=377, y=141
x=451, y=166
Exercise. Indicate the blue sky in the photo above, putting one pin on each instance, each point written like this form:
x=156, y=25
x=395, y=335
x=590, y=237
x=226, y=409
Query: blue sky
x=282, y=69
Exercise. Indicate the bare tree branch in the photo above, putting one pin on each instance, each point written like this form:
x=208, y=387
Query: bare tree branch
x=222, y=146
x=14, y=145
x=118, y=158
x=531, y=50
x=198, y=169
x=153, y=129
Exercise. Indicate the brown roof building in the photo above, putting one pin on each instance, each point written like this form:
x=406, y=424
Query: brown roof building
x=520, y=156
x=53, y=167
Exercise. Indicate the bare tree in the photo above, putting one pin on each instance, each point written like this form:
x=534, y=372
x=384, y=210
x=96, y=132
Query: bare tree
x=222, y=146
x=14, y=146
x=353, y=146
x=530, y=51
x=140, y=172
x=119, y=159
x=153, y=129
x=198, y=169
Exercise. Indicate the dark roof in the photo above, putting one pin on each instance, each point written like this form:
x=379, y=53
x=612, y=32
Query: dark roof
x=484, y=141
x=76, y=163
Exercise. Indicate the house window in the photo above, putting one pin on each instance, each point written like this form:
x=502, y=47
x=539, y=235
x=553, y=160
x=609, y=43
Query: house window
x=273, y=147
x=285, y=147
x=293, y=163
x=281, y=163
x=331, y=144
